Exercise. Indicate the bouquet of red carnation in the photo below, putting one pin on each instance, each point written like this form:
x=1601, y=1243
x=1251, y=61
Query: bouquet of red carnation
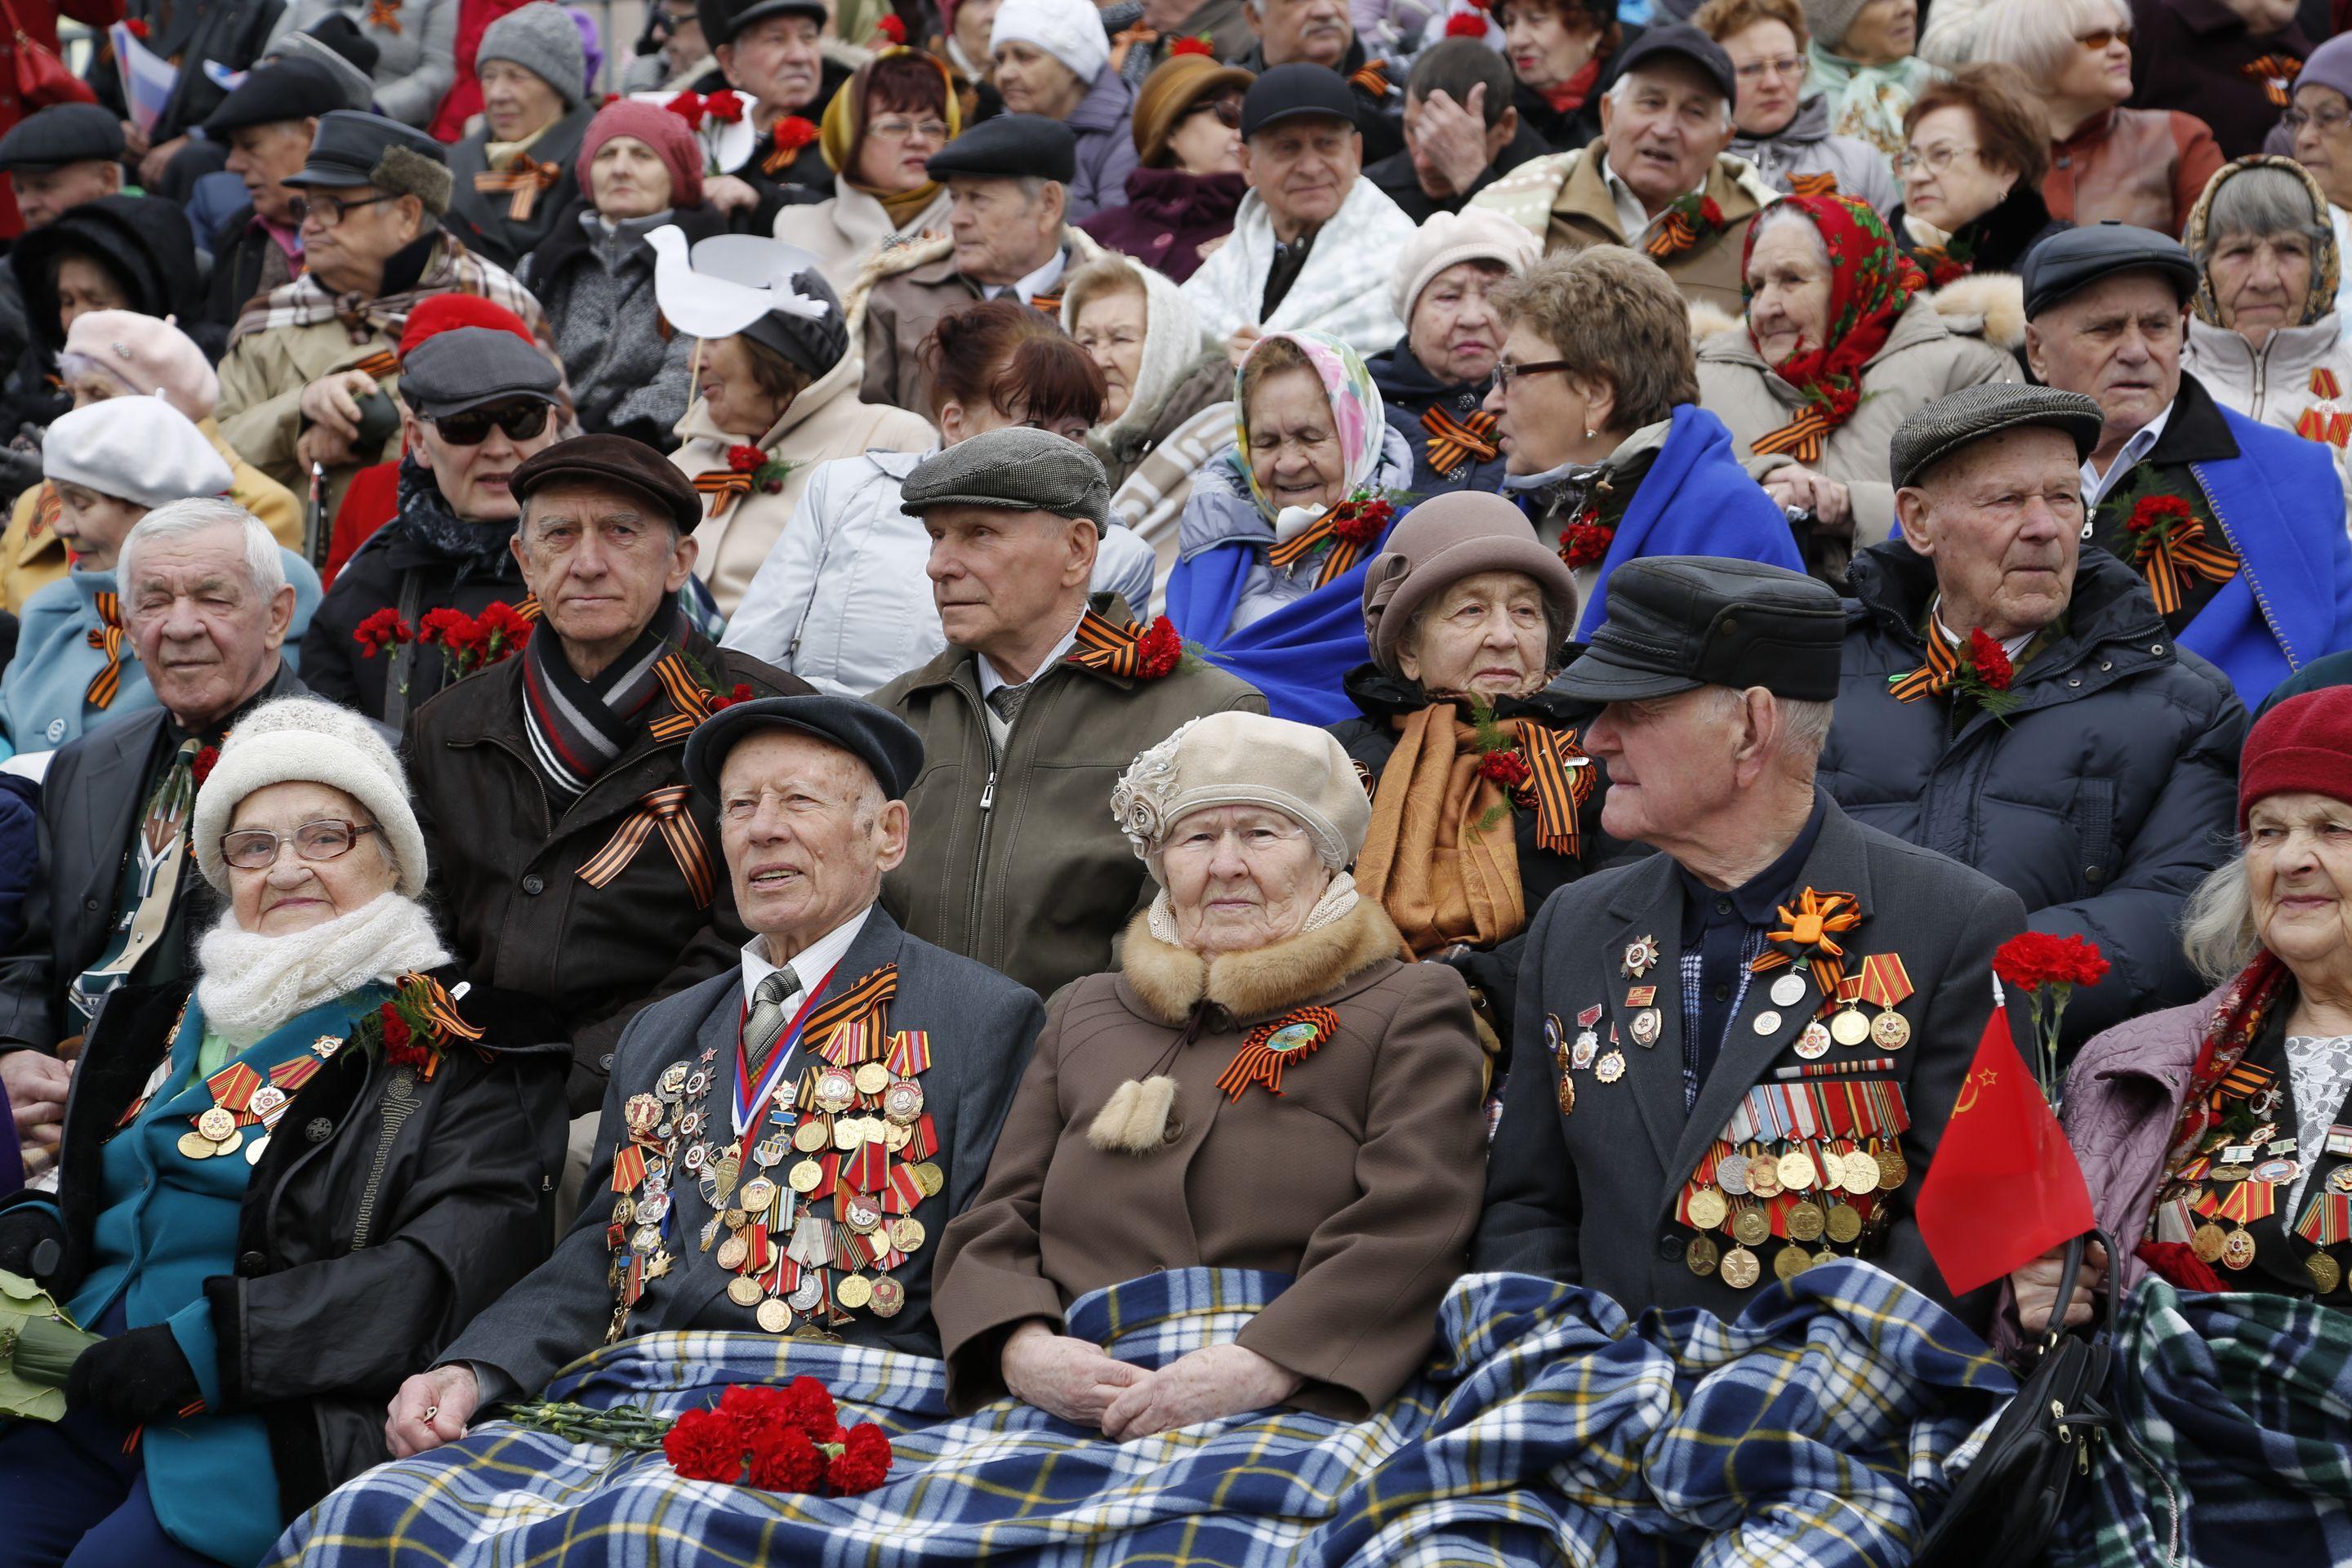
x=207, y=758
x=2048, y=968
x=1584, y=544
x=689, y=107
x=1506, y=768
x=1466, y=24
x=740, y=693
x=1361, y=520
x=786, y=1439
x=1199, y=45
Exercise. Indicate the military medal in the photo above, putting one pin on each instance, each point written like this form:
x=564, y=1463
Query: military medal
x=1731, y=1172
x=1860, y=1173
x=2325, y=1273
x=2238, y=1248
x=773, y=1317
x=854, y=1292
x=1739, y=1268
x=195, y=1146
x=1789, y=990
x=743, y=1290
x=1611, y=1068
x=1641, y=957
x=1844, y=1224
x=1646, y=1027
x=2207, y=1243
x=1789, y=1262
x=1750, y=1226
x=1701, y=1256
x=1805, y=1221
x=1271, y=1048
x=1797, y=1172
x=1886, y=985
x=1588, y=1045
x=1708, y=1208
x=1768, y=1022
x=888, y=1297
x=1764, y=1176
x=1813, y=1041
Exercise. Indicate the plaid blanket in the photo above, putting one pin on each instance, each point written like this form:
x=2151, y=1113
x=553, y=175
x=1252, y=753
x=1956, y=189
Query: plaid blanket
x=2240, y=1407
x=1549, y=1429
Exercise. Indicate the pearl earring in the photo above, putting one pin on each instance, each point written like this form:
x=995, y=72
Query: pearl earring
x=1590, y=433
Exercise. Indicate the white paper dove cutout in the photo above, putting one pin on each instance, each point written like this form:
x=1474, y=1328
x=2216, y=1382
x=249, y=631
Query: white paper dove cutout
x=729, y=281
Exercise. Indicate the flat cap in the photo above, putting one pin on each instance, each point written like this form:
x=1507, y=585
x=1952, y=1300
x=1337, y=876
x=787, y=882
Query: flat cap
x=884, y=742
x=1678, y=622
x=60, y=134
x=336, y=43
x=467, y=367
x=355, y=148
x=613, y=460
x=1009, y=147
x=723, y=19
x=1689, y=44
x=2072, y=260
x=1300, y=89
x=1019, y=469
x=291, y=89
x=1933, y=433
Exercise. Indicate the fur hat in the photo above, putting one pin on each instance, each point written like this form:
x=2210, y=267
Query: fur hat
x=308, y=740
x=1244, y=759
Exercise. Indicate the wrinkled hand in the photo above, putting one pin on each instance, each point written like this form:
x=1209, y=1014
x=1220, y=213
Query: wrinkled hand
x=2035, y=1287
x=1071, y=1379
x=1207, y=1385
x=133, y=1377
x=729, y=195
x=1452, y=138
x=37, y=1083
x=332, y=403
x=431, y=1408
x=322, y=447
x=1244, y=339
x=1830, y=503
x=157, y=159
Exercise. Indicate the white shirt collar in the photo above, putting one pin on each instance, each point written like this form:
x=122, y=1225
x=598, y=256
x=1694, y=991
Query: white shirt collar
x=2095, y=485
x=810, y=965
x=2010, y=646
x=989, y=679
x=1632, y=215
x=1037, y=282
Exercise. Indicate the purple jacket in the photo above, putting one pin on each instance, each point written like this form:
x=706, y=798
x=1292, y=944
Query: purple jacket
x=1106, y=143
x=1169, y=216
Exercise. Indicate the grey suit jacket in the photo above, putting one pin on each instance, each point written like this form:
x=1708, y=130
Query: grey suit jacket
x=982, y=1025
x=1620, y=1158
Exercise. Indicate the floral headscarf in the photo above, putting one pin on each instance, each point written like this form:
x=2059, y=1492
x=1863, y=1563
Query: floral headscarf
x=1356, y=411
x=1870, y=282
x=2325, y=265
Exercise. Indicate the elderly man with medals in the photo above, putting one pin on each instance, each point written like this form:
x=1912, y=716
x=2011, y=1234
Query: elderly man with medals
x=1731, y=1058
x=780, y=1143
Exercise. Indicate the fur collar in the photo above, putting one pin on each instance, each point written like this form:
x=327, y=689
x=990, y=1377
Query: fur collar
x=1170, y=980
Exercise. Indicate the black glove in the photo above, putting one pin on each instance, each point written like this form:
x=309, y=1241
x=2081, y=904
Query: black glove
x=134, y=1377
x=22, y=1230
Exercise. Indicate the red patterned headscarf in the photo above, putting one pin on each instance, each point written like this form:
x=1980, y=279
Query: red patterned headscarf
x=1871, y=281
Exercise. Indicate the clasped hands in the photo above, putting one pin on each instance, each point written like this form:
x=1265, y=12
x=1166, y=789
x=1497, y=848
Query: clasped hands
x=1078, y=1382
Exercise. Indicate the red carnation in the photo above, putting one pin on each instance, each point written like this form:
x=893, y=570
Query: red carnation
x=1506, y=768
x=1360, y=521
x=451, y=628
x=206, y=759
x=136, y=28
x=703, y=1447
x=792, y=133
x=2157, y=513
x=2031, y=960
x=726, y=106
x=1585, y=544
x=1466, y=24
x=381, y=631
x=1709, y=213
x=784, y=1459
x=1992, y=666
x=892, y=28
x=804, y=1402
x=1195, y=46
x=863, y=1463
x=689, y=107
x=503, y=631
x=1160, y=648
x=745, y=460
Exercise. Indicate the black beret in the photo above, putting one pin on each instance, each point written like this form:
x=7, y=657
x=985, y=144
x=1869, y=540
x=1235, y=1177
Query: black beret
x=1300, y=89
x=288, y=89
x=1933, y=433
x=2072, y=260
x=1689, y=43
x=613, y=460
x=60, y=134
x=1010, y=147
x=1676, y=622
x=884, y=742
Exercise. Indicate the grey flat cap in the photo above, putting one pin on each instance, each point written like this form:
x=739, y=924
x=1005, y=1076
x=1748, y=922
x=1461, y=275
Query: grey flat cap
x=467, y=367
x=2071, y=261
x=1679, y=622
x=1019, y=469
x=1948, y=424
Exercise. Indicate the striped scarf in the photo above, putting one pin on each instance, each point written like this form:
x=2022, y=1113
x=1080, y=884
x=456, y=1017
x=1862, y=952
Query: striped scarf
x=579, y=727
x=449, y=269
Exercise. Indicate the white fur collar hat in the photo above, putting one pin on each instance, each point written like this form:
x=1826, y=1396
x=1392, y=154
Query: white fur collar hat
x=305, y=740
x=139, y=449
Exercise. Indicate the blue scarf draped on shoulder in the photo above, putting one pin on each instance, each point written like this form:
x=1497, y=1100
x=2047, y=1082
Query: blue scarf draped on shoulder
x=1299, y=656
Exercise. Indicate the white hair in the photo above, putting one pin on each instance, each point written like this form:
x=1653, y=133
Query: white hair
x=1622, y=87
x=2038, y=36
x=2217, y=923
x=1804, y=726
x=1788, y=215
x=263, y=564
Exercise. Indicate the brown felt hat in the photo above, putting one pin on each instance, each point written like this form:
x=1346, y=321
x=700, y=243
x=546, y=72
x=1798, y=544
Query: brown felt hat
x=1174, y=86
x=616, y=461
x=1445, y=539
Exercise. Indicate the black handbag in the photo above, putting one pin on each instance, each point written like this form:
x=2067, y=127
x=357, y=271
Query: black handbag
x=2008, y=1504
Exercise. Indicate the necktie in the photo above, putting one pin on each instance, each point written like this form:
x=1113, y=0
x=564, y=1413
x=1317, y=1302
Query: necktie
x=1007, y=700
x=765, y=1026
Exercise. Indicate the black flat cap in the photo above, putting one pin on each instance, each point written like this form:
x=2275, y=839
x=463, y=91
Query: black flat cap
x=884, y=742
x=1298, y=90
x=1009, y=147
x=2070, y=261
x=467, y=367
x=1933, y=433
x=338, y=32
x=60, y=134
x=1019, y=469
x=1678, y=622
x=288, y=89
x=353, y=149
x=612, y=461
x=1689, y=43
x=722, y=20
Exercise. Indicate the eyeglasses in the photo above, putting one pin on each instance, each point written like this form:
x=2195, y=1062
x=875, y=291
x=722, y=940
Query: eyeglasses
x=330, y=211
x=1228, y=112
x=906, y=129
x=521, y=418
x=2098, y=42
x=328, y=839
x=2328, y=120
x=1757, y=70
x=1936, y=160
x=1506, y=373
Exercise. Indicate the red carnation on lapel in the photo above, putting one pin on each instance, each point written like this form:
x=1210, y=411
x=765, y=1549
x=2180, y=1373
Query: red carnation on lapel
x=1192, y=46
x=792, y=133
x=1992, y=666
x=892, y=28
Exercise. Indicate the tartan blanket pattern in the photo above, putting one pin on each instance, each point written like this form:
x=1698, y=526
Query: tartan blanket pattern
x=2239, y=1407
x=1549, y=1428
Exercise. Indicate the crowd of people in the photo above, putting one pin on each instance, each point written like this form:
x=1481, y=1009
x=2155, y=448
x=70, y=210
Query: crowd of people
x=932, y=660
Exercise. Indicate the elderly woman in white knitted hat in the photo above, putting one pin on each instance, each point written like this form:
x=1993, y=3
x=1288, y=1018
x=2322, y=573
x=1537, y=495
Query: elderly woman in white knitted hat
x=112, y=463
x=1053, y=57
x=1264, y=1084
x=1433, y=382
x=287, y=1183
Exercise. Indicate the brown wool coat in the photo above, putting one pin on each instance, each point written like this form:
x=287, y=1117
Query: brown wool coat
x=1361, y=1178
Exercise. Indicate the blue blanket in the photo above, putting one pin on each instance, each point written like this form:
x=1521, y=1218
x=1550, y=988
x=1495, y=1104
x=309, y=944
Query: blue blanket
x=1549, y=1428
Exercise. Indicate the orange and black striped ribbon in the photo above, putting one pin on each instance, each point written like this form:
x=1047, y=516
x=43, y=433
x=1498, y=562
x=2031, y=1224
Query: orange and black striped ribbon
x=1809, y=929
x=1821, y=185
x=690, y=703
x=1556, y=788
x=1126, y=39
x=525, y=180
x=107, y=637
x=1343, y=553
x=2272, y=73
x=721, y=487
x=1674, y=235
x=1373, y=77
x=434, y=1004
x=384, y=13
x=1931, y=678
x=1050, y=304
x=781, y=158
x=866, y=999
x=1800, y=438
x=1451, y=439
x=379, y=364
x=662, y=811
x=2171, y=561
x=1106, y=649
x=530, y=609
x=47, y=510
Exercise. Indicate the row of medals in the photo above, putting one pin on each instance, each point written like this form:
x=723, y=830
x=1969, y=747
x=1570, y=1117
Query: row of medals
x=2236, y=1249
x=221, y=1132
x=1848, y=1027
x=1827, y=1169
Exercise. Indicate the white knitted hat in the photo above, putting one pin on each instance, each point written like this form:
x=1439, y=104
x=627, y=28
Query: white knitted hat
x=1069, y=30
x=1474, y=234
x=305, y=740
x=139, y=449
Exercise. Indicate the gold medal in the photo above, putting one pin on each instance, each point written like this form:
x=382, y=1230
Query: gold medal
x=196, y=1146
x=1805, y=1221
x=757, y=1193
x=1797, y=1172
x=907, y=1233
x=2324, y=1271
x=641, y=1113
x=1861, y=1175
x=855, y=1291
x=743, y=1290
x=1567, y=1098
x=871, y=1077
x=230, y=1144
x=1701, y=1256
x=732, y=1252
x=2207, y=1243
x=1892, y=1170
x=812, y=1135
x=2339, y=1180
x=1832, y=1164
x=860, y=1215
x=219, y=1124
x=1611, y=1068
x=1739, y=1269
x=848, y=1133
x=1764, y=1177
x=1844, y=1224
x=773, y=1316
x=804, y=1176
x=1849, y=1027
x=1751, y=1227
x=928, y=1178
x=2238, y=1248
x=889, y=1296
x=1789, y=1262
x=1889, y=1031
x=1708, y=1208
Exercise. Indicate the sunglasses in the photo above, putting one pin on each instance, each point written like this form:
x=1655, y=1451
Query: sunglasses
x=520, y=420
x=1228, y=112
x=2097, y=41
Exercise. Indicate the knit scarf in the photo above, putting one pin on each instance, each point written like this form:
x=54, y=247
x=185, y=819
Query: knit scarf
x=580, y=726
x=1569, y=96
x=253, y=984
x=448, y=269
x=1870, y=282
x=425, y=522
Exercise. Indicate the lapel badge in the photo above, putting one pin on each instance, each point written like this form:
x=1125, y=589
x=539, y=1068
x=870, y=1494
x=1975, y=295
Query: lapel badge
x=1641, y=957
x=1611, y=1068
x=1591, y=1016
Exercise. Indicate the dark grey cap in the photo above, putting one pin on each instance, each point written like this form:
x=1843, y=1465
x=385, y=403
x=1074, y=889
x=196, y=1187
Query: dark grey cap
x=723, y=19
x=1690, y=44
x=467, y=367
x=2072, y=260
x=1943, y=426
x=1678, y=622
x=291, y=89
x=355, y=148
x=1009, y=147
x=884, y=742
x=60, y=134
x=1300, y=89
x=1019, y=469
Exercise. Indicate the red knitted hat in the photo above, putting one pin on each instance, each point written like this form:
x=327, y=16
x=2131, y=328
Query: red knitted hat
x=667, y=134
x=2304, y=743
x=445, y=312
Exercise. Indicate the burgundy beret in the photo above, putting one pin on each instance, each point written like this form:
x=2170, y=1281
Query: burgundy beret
x=613, y=459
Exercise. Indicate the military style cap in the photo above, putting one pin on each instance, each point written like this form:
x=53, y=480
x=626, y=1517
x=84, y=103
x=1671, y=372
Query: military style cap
x=610, y=460
x=1943, y=426
x=1019, y=469
x=1300, y=89
x=1678, y=622
x=60, y=134
x=289, y=89
x=2071, y=261
x=467, y=367
x=355, y=148
x=1008, y=148
x=884, y=742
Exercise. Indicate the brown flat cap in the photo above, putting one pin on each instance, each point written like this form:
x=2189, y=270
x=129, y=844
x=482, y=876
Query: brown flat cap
x=613, y=459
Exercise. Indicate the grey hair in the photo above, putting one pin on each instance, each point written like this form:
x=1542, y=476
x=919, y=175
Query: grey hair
x=1623, y=89
x=1787, y=214
x=1804, y=726
x=2217, y=923
x=2037, y=35
x=263, y=564
x=2261, y=203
